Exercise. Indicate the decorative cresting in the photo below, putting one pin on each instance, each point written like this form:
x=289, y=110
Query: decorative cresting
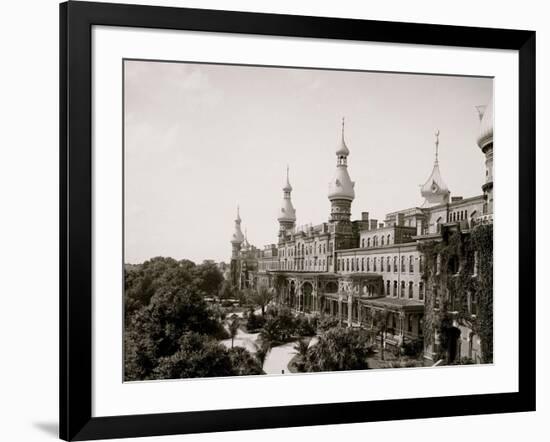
x=341, y=191
x=287, y=213
x=435, y=191
x=237, y=238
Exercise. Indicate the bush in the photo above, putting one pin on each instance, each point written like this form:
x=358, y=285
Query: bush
x=326, y=323
x=412, y=348
x=304, y=326
x=254, y=322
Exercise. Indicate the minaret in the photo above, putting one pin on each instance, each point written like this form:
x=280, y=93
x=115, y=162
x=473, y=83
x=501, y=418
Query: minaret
x=287, y=216
x=341, y=189
x=434, y=190
x=237, y=238
x=485, y=143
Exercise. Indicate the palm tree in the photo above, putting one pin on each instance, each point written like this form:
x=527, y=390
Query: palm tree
x=301, y=348
x=261, y=353
x=233, y=329
x=261, y=297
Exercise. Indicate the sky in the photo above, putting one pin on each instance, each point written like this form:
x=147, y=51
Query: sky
x=201, y=139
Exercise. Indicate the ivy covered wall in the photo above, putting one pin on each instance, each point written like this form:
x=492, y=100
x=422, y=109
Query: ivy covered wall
x=458, y=270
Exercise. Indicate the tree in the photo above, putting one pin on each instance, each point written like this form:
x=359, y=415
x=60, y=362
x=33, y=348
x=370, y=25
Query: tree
x=262, y=351
x=243, y=362
x=380, y=325
x=233, y=329
x=208, y=278
x=340, y=349
x=197, y=356
x=301, y=347
x=260, y=297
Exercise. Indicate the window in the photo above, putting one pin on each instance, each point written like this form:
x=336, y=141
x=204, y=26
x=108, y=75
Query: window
x=347, y=265
x=388, y=241
x=436, y=297
x=410, y=290
x=395, y=264
x=362, y=264
x=388, y=288
x=338, y=265
x=402, y=289
x=420, y=264
x=363, y=242
x=374, y=264
x=375, y=241
x=402, y=264
x=368, y=264
x=395, y=288
x=368, y=242
x=382, y=241
x=388, y=264
x=421, y=290
x=352, y=265
x=411, y=264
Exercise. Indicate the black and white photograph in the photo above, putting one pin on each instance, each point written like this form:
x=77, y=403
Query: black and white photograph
x=284, y=220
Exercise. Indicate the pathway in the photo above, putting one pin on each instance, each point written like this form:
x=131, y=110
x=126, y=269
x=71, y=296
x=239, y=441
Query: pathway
x=278, y=358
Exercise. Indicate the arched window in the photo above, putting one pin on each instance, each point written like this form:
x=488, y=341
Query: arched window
x=374, y=264
x=388, y=264
x=421, y=290
x=382, y=240
x=410, y=289
x=395, y=264
x=411, y=264
x=363, y=242
x=368, y=242
x=368, y=264
x=362, y=264
x=395, y=288
x=347, y=265
x=389, y=240
x=438, y=225
x=402, y=264
x=375, y=241
x=352, y=265
x=420, y=264
x=402, y=289
x=388, y=288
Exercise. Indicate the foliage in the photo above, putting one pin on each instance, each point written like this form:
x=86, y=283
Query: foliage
x=260, y=297
x=301, y=347
x=254, y=322
x=326, y=323
x=243, y=362
x=412, y=347
x=380, y=325
x=340, y=349
x=456, y=261
x=304, y=326
x=234, y=329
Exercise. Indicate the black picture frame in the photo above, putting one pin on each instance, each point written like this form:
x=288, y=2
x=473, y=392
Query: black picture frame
x=76, y=21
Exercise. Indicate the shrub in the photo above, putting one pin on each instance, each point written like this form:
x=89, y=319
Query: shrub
x=412, y=348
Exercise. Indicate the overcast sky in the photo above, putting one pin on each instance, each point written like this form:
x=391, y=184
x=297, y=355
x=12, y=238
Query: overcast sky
x=200, y=139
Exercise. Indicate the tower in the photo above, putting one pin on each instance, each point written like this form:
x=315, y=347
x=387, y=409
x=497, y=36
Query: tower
x=237, y=238
x=287, y=214
x=341, y=189
x=435, y=191
x=485, y=143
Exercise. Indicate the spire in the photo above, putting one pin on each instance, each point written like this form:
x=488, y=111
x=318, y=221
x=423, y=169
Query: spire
x=343, y=150
x=287, y=213
x=436, y=146
x=287, y=188
x=237, y=237
x=434, y=190
x=341, y=186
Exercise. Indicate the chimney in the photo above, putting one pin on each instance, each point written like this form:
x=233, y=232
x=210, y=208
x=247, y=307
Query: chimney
x=380, y=225
x=365, y=216
x=372, y=224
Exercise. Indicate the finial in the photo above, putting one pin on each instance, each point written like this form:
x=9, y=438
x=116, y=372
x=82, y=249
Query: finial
x=287, y=172
x=436, y=145
x=481, y=111
x=343, y=125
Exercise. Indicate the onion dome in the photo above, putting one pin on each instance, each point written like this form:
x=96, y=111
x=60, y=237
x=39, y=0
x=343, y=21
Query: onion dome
x=486, y=127
x=287, y=212
x=237, y=237
x=341, y=186
x=434, y=190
